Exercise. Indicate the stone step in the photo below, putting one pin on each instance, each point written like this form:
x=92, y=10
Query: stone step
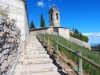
x=34, y=45
x=36, y=56
x=18, y=69
x=31, y=42
x=35, y=49
x=35, y=52
x=47, y=73
x=31, y=46
x=43, y=73
x=29, y=69
x=37, y=61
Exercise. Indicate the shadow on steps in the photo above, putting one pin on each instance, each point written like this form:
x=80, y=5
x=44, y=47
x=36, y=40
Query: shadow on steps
x=55, y=63
x=59, y=67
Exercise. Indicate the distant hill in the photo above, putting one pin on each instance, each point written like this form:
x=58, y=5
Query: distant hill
x=94, y=47
x=94, y=44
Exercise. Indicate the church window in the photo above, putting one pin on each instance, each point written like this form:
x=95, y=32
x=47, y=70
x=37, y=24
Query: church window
x=51, y=17
x=57, y=16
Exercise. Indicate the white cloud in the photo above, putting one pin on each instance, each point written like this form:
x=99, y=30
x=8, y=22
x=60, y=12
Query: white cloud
x=49, y=4
x=41, y=3
x=93, y=35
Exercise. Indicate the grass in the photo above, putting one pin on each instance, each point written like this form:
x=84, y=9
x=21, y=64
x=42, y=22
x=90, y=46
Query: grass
x=85, y=51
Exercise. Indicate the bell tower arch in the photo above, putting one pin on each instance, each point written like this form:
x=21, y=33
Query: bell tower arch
x=54, y=16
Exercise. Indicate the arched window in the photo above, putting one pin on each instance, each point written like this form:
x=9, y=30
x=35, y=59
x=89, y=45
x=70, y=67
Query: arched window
x=51, y=17
x=57, y=16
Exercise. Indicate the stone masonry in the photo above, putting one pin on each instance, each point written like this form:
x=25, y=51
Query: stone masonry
x=9, y=44
x=17, y=9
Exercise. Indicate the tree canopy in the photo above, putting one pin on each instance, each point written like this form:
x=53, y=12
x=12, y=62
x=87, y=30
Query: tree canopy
x=42, y=22
x=79, y=36
x=75, y=31
x=32, y=25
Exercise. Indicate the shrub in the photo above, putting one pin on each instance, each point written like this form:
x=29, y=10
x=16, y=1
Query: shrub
x=79, y=36
x=4, y=11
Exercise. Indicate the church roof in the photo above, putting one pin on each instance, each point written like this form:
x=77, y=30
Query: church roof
x=61, y=27
x=24, y=0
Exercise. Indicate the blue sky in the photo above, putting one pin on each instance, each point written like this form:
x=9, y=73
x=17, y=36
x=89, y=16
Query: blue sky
x=81, y=14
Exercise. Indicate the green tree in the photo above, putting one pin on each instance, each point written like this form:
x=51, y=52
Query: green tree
x=76, y=31
x=42, y=23
x=99, y=48
x=79, y=36
x=32, y=25
x=73, y=29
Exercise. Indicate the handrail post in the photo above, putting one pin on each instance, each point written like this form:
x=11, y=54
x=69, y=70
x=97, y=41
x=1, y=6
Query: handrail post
x=48, y=40
x=57, y=50
x=80, y=64
x=99, y=51
x=43, y=38
x=36, y=33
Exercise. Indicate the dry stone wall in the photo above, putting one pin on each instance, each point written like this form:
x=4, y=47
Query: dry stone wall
x=9, y=44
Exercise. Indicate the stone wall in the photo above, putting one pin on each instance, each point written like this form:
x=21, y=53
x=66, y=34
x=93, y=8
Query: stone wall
x=17, y=10
x=81, y=43
x=64, y=32
x=9, y=45
x=45, y=30
x=34, y=32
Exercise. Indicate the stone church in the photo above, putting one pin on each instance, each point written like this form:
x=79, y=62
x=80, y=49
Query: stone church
x=55, y=28
x=18, y=11
x=54, y=24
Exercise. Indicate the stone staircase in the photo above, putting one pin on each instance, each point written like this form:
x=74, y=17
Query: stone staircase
x=35, y=60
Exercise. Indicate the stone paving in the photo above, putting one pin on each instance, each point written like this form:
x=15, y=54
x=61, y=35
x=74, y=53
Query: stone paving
x=35, y=60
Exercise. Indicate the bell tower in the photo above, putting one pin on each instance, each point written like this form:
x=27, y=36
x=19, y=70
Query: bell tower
x=54, y=16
